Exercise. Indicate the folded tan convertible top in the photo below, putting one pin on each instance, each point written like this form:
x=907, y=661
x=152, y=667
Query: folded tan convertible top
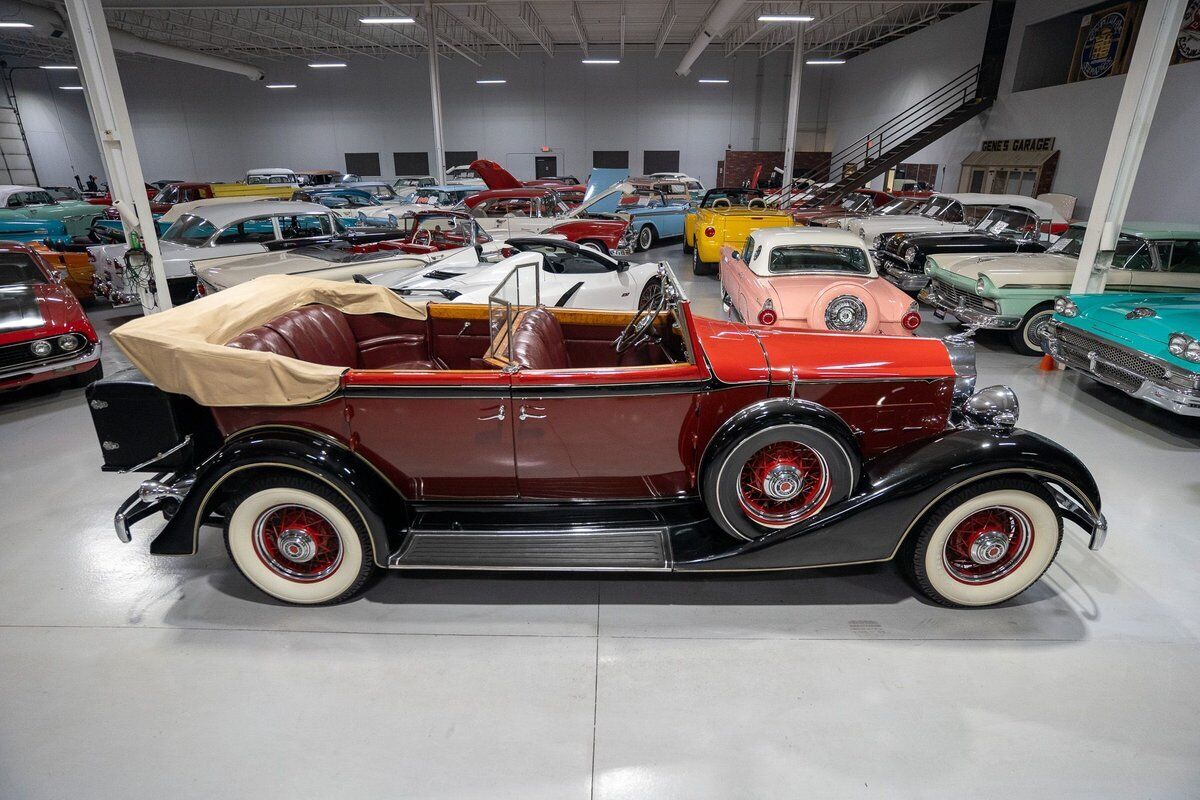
x=184, y=350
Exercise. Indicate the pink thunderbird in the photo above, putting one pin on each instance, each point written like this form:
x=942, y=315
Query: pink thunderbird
x=817, y=278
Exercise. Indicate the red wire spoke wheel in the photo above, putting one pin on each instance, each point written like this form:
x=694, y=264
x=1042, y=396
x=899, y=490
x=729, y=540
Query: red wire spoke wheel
x=987, y=545
x=782, y=483
x=297, y=543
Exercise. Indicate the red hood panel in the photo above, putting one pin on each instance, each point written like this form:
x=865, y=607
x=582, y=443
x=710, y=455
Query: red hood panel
x=824, y=356
x=494, y=175
x=45, y=309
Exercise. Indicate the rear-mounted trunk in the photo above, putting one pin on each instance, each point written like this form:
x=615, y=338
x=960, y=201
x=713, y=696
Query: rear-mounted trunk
x=142, y=428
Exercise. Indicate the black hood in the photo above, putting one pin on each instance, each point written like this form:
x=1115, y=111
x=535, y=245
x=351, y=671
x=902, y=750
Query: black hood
x=963, y=242
x=19, y=309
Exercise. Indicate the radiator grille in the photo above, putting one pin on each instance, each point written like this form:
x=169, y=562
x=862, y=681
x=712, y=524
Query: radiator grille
x=15, y=356
x=1078, y=345
x=957, y=297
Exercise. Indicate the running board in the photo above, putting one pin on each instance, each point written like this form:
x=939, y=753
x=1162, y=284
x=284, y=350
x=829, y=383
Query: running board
x=626, y=548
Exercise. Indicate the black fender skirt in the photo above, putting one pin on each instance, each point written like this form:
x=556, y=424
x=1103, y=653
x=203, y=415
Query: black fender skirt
x=895, y=491
x=382, y=507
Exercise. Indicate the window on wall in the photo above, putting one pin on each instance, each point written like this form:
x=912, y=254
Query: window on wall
x=364, y=164
x=610, y=159
x=460, y=158
x=660, y=161
x=411, y=163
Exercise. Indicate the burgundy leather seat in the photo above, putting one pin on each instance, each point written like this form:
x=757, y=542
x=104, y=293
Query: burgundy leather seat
x=538, y=342
x=317, y=334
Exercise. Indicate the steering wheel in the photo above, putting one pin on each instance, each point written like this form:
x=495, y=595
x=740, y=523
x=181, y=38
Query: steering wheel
x=427, y=239
x=654, y=302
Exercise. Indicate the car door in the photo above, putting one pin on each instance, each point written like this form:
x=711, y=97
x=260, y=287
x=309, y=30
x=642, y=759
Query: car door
x=1133, y=265
x=1177, y=268
x=605, y=433
x=444, y=433
x=578, y=281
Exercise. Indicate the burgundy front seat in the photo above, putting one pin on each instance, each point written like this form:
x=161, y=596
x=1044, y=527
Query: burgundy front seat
x=317, y=334
x=538, y=342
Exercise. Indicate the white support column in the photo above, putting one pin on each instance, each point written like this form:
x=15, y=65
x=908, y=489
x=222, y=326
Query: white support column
x=793, y=115
x=1139, y=98
x=110, y=118
x=435, y=96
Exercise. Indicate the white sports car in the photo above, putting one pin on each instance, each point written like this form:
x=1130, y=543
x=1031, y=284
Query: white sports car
x=571, y=276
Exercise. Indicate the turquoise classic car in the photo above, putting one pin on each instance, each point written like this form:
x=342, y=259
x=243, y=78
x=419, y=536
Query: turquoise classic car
x=1146, y=345
x=1015, y=292
x=24, y=203
x=34, y=230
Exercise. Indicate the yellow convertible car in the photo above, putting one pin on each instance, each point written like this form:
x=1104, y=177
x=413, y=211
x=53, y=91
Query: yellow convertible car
x=726, y=217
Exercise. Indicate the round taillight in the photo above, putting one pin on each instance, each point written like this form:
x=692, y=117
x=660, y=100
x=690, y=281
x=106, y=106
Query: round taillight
x=767, y=316
x=710, y=231
x=911, y=321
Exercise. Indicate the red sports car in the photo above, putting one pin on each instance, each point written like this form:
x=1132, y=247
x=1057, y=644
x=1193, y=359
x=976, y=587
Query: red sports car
x=333, y=430
x=44, y=333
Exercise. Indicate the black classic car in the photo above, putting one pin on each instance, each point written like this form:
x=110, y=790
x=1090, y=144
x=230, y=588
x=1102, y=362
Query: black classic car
x=1006, y=229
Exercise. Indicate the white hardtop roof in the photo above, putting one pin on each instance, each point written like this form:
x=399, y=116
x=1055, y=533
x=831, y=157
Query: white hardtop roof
x=9, y=188
x=803, y=234
x=225, y=213
x=1040, y=207
x=271, y=171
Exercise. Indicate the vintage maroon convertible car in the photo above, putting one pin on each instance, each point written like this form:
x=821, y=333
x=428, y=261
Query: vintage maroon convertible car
x=331, y=430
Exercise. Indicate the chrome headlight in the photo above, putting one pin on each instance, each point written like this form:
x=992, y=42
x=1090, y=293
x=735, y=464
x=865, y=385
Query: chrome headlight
x=68, y=343
x=1065, y=307
x=41, y=348
x=995, y=406
x=910, y=254
x=1177, y=344
x=878, y=242
x=980, y=287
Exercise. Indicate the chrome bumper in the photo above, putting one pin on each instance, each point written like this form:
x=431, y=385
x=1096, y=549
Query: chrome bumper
x=161, y=493
x=969, y=316
x=1095, y=521
x=1178, y=401
x=902, y=278
x=91, y=353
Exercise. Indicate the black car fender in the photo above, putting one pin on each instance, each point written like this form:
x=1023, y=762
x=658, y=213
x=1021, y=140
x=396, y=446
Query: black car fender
x=381, y=505
x=897, y=490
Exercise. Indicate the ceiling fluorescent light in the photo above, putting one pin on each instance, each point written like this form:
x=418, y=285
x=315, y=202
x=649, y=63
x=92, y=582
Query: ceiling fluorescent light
x=785, y=18
x=819, y=61
x=492, y=80
x=387, y=20
x=58, y=66
x=281, y=86
x=327, y=64
x=713, y=80
x=72, y=88
x=600, y=61
x=15, y=25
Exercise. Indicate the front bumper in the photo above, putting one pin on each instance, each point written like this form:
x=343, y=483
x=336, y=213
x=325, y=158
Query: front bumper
x=968, y=315
x=162, y=493
x=17, y=377
x=1178, y=400
x=898, y=275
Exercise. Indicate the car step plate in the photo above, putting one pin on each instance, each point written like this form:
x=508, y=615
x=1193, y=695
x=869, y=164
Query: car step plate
x=641, y=548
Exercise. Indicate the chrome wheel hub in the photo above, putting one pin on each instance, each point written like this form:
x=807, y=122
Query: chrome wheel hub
x=297, y=545
x=989, y=547
x=782, y=482
x=846, y=313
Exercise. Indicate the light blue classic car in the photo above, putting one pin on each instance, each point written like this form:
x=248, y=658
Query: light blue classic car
x=652, y=215
x=34, y=230
x=1146, y=345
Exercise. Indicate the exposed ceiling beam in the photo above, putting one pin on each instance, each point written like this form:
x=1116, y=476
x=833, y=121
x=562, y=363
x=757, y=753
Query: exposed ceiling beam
x=537, y=29
x=670, y=14
x=580, y=30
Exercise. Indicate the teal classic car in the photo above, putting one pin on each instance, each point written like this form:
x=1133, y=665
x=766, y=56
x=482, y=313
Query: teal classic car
x=1146, y=345
x=1015, y=292
x=33, y=230
x=24, y=203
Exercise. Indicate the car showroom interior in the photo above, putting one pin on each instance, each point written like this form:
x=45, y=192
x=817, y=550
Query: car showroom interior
x=599, y=399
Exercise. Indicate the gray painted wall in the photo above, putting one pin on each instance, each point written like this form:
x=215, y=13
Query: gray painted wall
x=194, y=123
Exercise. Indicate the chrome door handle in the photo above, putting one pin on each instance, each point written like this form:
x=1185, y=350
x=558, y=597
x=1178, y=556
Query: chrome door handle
x=498, y=415
x=526, y=415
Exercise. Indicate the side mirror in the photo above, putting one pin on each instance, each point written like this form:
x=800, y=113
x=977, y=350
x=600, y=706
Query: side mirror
x=622, y=266
x=736, y=254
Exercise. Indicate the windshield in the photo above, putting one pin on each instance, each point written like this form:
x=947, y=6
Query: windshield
x=190, y=230
x=857, y=202
x=936, y=207
x=430, y=196
x=901, y=205
x=452, y=231
x=167, y=194
x=793, y=259
x=736, y=197
x=1008, y=222
x=19, y=269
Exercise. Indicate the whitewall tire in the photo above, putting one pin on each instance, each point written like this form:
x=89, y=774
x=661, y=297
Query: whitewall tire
x=1025, y=338
x=645, y=238
x=299, y=540
x=984, y=544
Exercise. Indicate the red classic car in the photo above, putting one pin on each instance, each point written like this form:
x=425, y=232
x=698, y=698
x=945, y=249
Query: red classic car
x=44, y=334
x=533, y=211
x=105, y=198
x=334, y=430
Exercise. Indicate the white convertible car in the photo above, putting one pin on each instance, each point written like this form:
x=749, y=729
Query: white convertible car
x=945, y=213
x=570, y=276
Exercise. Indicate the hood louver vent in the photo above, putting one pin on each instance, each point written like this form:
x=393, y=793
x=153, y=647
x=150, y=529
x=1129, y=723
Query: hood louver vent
x=442, y=275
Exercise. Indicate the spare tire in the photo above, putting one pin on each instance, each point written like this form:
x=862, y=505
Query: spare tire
x=775, y=476
x=845, y=308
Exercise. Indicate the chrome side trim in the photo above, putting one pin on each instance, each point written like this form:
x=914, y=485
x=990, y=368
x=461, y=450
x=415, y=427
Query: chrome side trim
x=159, y=457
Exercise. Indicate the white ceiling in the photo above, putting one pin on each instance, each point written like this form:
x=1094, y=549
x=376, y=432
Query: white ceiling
x=283, y=30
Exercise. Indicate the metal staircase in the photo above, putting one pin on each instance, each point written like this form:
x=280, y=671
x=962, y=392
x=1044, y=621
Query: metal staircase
x=16, y=164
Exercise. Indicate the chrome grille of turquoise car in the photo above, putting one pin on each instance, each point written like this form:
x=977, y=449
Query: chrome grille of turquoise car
x=1082, y=344
x=957, y=297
